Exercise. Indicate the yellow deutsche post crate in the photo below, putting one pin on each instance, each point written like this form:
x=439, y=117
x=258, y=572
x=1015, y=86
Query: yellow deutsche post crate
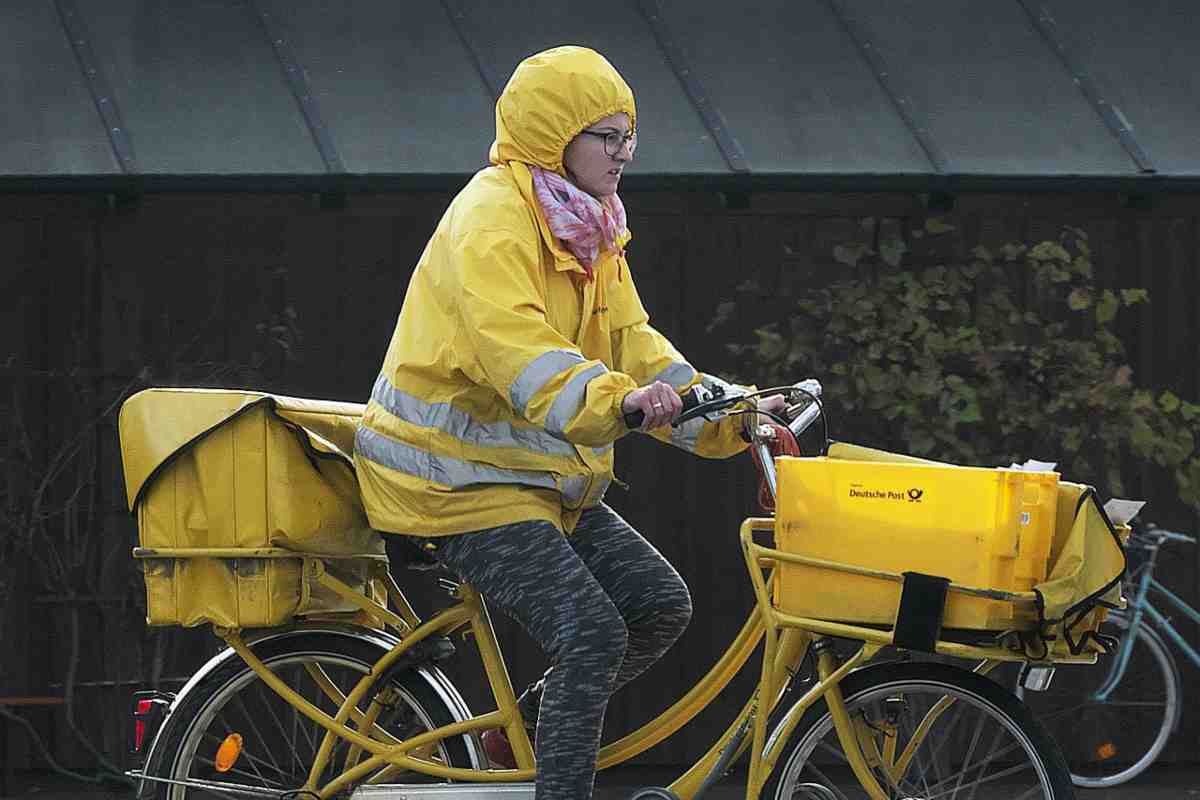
x=982, y=528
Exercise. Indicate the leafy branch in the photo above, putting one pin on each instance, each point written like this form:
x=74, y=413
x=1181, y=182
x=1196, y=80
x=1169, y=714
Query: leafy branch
x=1009, y=353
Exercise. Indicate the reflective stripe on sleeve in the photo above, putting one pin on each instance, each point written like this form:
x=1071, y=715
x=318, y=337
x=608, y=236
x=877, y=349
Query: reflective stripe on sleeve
x=571, y=399
x=538, y=372
x=678, y=375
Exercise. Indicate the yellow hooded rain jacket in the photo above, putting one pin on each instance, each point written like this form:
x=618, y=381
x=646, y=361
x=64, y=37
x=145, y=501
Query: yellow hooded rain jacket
x=500, y=395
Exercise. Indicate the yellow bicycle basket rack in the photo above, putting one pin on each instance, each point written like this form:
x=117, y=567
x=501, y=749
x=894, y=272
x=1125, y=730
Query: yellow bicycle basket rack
x=1023, y=554
x=242, y=499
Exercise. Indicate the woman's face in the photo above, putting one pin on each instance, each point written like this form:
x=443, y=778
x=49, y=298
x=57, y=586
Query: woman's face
x=588, y=164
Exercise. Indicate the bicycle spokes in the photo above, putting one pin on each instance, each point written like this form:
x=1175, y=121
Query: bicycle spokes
x=920, y=740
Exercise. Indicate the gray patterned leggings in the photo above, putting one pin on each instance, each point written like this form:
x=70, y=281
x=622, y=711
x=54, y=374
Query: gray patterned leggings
x=602, y=603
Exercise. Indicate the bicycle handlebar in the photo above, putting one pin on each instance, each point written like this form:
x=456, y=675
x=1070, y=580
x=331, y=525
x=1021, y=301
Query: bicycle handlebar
x=1164, y=535
x=799, y=415
x=804, y=408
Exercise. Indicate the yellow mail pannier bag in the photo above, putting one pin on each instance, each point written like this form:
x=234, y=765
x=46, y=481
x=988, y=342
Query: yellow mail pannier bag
x=240, y=499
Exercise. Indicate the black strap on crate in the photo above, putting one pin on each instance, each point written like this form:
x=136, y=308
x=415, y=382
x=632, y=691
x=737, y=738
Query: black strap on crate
x=922, y=608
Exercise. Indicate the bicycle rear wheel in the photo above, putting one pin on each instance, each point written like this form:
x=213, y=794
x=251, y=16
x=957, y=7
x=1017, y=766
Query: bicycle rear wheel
x=1107, y=742
x=984, y=744
x=279, y=744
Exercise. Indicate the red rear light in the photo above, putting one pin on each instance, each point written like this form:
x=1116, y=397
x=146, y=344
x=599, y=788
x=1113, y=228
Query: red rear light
x=140, y=709
x=149, y=710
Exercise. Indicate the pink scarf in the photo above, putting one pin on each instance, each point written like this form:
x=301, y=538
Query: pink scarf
x=587, y=226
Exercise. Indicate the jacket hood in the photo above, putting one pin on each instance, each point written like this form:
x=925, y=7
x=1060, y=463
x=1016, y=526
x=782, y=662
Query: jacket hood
x=550, y=98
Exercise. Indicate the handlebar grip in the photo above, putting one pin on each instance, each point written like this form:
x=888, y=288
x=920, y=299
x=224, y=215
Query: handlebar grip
x=634, y=419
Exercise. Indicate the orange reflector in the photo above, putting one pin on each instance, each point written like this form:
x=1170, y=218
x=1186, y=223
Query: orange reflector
x=1106, y=751
x=228, y=752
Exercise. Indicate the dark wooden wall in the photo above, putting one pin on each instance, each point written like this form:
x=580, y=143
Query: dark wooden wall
x=184, y=279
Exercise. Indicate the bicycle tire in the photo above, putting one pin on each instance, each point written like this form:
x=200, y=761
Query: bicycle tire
x=1110, y=743
x=892, y=699
x=233, y=699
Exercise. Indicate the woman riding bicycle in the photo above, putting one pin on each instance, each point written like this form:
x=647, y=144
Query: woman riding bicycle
x=519, y=348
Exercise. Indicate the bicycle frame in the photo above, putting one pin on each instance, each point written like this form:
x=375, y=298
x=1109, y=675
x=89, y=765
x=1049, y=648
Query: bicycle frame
x=387, y=755
x=374, y=755
x=1141, y=606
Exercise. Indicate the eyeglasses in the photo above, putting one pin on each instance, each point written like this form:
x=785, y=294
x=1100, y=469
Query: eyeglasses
x=615, y=140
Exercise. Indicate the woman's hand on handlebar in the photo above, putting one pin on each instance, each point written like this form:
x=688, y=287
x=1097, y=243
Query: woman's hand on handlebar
x=775, y=404
x=658, y=402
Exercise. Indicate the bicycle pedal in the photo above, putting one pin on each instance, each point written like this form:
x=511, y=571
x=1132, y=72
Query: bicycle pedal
x=445, y=791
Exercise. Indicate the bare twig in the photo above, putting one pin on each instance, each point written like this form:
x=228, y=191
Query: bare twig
x=69, y=695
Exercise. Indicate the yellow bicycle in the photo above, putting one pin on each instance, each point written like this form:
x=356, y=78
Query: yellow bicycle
x=330, y=683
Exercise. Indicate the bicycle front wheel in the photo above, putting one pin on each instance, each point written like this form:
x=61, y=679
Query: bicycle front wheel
x=1109, y=741
x=278, y=744
x=928, y=731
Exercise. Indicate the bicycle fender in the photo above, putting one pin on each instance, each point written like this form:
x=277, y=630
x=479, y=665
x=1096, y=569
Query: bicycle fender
x=437, y=680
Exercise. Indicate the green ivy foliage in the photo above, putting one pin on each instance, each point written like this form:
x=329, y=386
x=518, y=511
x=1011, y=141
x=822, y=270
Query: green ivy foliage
x=1009, y=355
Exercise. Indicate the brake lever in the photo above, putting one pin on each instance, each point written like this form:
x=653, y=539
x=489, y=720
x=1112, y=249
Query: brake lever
x=711, y=402
x=711, y=411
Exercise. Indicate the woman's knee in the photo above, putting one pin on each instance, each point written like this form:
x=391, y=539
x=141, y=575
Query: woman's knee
x=674, y=611
x=598, y=636
x=681, y=606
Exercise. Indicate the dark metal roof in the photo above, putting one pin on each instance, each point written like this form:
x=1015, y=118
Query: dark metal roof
x=842, y=93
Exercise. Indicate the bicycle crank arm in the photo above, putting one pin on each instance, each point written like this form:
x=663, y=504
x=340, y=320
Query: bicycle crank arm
x=220, y=787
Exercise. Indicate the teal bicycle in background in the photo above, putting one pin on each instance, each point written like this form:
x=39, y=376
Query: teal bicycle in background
x=1113, y=719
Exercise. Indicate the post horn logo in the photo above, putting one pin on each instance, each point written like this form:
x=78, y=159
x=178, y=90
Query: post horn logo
x=914, y=495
